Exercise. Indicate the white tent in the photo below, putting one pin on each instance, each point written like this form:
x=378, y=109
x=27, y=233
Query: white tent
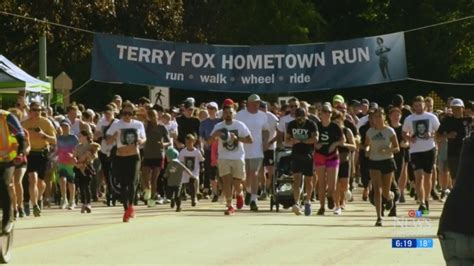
x=14, y=79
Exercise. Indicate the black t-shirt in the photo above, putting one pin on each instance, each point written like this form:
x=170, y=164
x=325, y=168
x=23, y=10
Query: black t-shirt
x=327, y=136
x=363, y=132
x=301, y=132
x=459, y=125
x=405, y=114
x=187, y=126
x=399, y=132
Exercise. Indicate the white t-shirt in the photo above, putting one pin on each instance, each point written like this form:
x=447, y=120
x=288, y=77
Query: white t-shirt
x=191, y=160
x=418, y=125
x=128, y=133
x=232, y=150
x=272, y=128
x=283, y=125
x=100, y=128
x=255, y=123
x=76, y=127
x=172, y=127
x=362, y=121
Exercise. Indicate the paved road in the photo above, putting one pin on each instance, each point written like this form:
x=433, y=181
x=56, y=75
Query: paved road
x=203, y=235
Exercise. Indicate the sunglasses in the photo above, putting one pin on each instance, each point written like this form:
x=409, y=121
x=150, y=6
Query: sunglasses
x=127, y=113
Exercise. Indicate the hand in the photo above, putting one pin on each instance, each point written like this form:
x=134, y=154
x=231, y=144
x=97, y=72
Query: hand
x=295, y=141
x=318, y=146
x=233, y=137
x=404, y=144
x=452, y=135
x=332, y=148
x=19, y=159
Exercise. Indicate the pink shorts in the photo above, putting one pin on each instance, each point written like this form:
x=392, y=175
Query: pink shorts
x=329, y=161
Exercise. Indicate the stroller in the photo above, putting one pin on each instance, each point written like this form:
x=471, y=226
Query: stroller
x=282, y=183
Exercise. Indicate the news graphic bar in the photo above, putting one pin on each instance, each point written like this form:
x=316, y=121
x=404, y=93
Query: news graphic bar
x=412, y=243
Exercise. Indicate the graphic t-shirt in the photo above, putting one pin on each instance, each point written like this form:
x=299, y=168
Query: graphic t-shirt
x=420, y=126
x=255, y=123
x=462, y=128
x=102, y=127
x=380, y=138
x=191, y=160
x=301, y=132
x=65, y=149
x=232, y=150
x=327, y=136
x=128, y=132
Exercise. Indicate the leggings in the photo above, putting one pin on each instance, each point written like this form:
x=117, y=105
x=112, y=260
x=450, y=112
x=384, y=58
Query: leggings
x=106, y=169
x=6, y=174
x=127, y=168
x=174, y=192
x=364, y=169
x=84, y=181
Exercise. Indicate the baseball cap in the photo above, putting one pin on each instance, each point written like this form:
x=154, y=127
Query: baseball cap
x=457, y=103
x=263, y=104
x=213, y=105
x=355, y=103
x=175, y=110
x=228, y=102
x=300, y=112
x=189, y=102
x=253, y=98
x=365, y=101
x=64, y=122
x=327, y=108
x=337, y=99
x=373, y=105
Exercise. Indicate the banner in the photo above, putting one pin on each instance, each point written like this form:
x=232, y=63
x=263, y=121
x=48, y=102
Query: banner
x=250, y=69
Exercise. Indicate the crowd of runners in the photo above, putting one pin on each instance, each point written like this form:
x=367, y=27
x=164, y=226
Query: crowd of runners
x=131, y=153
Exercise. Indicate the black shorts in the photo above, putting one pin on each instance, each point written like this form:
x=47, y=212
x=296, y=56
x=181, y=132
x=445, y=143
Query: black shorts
x=423, y=161
x=268, y=158
x=385, y=166
x=302, y=164
x=37, y=162
x=153, y=163
x=344, y=169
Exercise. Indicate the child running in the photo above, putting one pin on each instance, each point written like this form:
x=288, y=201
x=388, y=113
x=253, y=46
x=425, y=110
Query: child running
x=174, y=173
x=191, y=158
x=66, y=144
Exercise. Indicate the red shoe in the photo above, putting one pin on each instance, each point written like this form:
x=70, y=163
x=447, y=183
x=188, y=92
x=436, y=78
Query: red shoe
x=131, y=211
x=126, y=217
x=230, y=211
x=240, y=201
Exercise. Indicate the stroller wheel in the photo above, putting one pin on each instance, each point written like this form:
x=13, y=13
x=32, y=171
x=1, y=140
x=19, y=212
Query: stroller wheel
x=277, y=206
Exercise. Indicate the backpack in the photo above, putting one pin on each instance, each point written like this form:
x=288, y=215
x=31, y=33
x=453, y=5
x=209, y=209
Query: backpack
x=8, y=142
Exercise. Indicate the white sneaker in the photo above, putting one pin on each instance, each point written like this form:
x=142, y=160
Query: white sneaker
x=147, y=194
x=64, y=204
x=296, y=209
x=338, y=211
x=348, y=195
x=72, y=206
x=151, y=203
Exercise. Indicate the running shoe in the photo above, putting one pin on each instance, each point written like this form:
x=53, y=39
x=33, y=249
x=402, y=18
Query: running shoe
x=147, y=194
x=126, y=217
x=389, y=202
x=131, y=210
x=8, y=227
x=178, y=209
x=307, y=209
x=36, y=211
x=379, y=222
x=422, y=207
x=247, y=199
x=263, y=196
x=253, y=206
x=194, y=202
x=83, y=209
x=434, y=195
x=321, y=211
x=393, y=211
x=338, y=211
x=63, y=204
x=296, y=209
x=71, y=206
x=215, y=198
x=21, y=213
x=15, y=215
x=27, y=209
x=348, y=195
x=240, y=201
x=172, y=204
x=402, y=198
x=88, y=208
x=230, y=210
x=330, y=203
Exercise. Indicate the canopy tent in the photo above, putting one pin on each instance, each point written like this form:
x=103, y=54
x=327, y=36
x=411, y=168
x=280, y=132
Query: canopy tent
x=14, y=79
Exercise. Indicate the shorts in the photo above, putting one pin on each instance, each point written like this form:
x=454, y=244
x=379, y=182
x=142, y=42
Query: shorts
x=302, y=164
x=234, y=168
x=154, y=163
x=66, y=171
x=423, y=161
x=329, y=161
x=385, y=166
x=37, y=162
x=453, y=163
x=269, y=158
x=344, y=169
x=253, y=165
x=406, y=154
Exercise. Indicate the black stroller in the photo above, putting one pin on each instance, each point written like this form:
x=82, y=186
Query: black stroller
x=282, y=183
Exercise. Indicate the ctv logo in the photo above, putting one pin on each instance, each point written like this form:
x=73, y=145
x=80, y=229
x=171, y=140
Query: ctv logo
x=413, y=213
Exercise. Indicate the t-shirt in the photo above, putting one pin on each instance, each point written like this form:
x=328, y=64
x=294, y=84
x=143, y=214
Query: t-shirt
x=405, y=114
x=232, y=150
x=191, y=160
x=283, y=125
x=301, y=132
x=42, y=124
x=272, y=128
x=65, y=149
x=327, y=136
x=128, y=132
x=172, y=128
x=174, y=173
x=459, y=125
x=362, y=121
x=75, y=127
x=255, y=123
x=187, y=126
x=349, y=124
x=155, y=134
x=380, y=138
x=102, y=126
x=205, y=129
x=418, y=126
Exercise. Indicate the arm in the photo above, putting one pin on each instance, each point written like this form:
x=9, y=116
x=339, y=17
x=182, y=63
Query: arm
x=351, y=142
x=186, y=170
x=395, y=147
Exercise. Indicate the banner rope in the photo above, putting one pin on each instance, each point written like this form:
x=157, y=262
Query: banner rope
x=80, y=87
x=441, y=82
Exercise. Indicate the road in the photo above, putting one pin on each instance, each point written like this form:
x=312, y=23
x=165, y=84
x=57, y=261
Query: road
x=203, y=235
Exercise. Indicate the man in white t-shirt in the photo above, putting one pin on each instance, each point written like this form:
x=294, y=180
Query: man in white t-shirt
x=231, y=134
x=257, y=123
x=294, y=104
x=269, y=154
x=420, y=128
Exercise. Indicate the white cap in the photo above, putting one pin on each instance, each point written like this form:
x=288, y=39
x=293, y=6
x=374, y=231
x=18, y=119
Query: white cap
x=213, y=105
x=457, y=103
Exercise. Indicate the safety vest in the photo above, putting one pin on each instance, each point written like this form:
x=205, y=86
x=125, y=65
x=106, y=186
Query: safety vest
x=8, y=142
